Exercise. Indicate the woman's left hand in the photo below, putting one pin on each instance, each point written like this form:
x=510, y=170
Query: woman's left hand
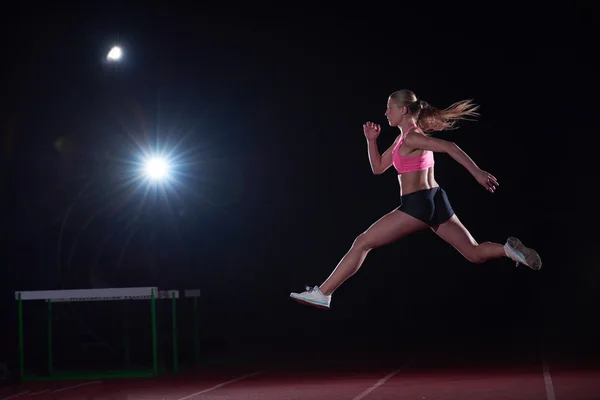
x=487, y=180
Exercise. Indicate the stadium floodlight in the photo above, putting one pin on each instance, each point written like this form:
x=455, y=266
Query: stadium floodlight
x=156, y=168
x=115, y=54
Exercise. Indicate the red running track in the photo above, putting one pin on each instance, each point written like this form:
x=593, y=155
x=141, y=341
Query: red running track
x=505, y=384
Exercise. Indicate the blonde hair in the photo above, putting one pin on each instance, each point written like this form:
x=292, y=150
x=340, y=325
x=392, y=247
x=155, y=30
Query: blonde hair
x=430, y=118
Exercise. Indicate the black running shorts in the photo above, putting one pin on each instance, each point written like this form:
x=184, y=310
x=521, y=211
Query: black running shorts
x=429, y=205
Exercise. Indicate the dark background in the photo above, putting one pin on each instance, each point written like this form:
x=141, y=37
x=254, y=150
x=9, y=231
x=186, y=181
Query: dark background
x=264, y=108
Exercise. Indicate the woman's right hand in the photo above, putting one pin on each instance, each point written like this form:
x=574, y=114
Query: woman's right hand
x=371, y=130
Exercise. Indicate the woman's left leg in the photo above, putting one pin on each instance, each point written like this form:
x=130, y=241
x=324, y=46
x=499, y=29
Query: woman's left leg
x=455, y=233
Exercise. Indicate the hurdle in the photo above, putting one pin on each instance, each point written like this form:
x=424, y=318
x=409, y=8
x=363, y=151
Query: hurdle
x=125, y=295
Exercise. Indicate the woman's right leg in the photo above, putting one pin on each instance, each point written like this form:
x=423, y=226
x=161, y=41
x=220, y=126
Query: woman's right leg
x=391, y=227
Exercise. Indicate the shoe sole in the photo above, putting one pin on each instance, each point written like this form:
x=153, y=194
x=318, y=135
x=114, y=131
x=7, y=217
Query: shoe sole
x=308, y=303
x=532, y=258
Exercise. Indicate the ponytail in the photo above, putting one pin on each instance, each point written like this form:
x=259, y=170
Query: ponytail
x=433, y=119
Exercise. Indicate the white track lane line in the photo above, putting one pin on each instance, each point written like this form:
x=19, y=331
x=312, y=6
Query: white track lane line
x=75, y=386
x=189, y=396
x=548, y=381
x=14, y=396
x=378, y=384
x=38, y=392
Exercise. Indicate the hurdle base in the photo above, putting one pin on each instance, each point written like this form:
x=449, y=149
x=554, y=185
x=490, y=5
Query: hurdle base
x=87, y=375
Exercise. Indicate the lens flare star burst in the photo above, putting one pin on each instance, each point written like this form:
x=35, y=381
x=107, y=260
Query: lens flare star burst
x=156, y=168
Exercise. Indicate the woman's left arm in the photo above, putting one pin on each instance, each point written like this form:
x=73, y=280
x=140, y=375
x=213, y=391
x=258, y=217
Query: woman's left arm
x=419, y=141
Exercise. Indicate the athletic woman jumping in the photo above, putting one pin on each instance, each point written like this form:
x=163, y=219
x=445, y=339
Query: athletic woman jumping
x=423, y=203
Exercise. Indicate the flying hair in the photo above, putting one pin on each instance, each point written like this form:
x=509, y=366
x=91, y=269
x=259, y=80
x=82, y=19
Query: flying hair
x=431, y=119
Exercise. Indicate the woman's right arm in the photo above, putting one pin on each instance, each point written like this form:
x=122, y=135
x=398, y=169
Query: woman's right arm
x=380, y=162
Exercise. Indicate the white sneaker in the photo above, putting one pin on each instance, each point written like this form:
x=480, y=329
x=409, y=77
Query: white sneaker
x=521, y=254
x=312, y=297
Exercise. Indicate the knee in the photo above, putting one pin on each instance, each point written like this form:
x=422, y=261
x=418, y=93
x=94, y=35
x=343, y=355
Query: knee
x=363, y=242
x=475, y=254
x=475, y=258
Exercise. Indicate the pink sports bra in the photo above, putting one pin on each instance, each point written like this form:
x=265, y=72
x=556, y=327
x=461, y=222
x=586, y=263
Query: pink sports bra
x=410, y=163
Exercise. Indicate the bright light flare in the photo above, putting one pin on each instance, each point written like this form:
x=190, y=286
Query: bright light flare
x=114, y=54
x=156, y=168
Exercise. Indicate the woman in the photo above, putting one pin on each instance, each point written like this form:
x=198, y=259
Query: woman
x=423, y=204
